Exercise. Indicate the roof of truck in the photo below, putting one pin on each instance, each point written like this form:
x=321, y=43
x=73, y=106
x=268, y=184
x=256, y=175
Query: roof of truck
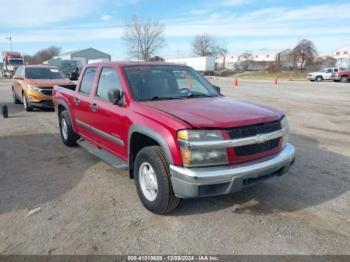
x=131, y=63
x=12, y=54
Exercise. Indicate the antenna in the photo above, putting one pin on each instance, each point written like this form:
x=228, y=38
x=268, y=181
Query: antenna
x=10, y=39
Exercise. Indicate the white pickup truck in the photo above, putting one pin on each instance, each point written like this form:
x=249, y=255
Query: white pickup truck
x=325, y=74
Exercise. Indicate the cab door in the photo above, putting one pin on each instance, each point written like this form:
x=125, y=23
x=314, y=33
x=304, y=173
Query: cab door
x=110, y=121
x=82, y=104
x=328, y=74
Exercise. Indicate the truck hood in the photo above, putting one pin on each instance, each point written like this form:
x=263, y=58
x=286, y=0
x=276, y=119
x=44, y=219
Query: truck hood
x=47, y=82
x=218, y=112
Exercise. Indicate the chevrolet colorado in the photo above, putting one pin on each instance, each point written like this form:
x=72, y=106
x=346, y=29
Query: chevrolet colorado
x=172, y=130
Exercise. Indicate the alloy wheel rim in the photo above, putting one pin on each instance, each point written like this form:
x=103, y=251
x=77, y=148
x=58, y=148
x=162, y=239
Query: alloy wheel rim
x=64, y=129
x=24, y=102
x=148, y=181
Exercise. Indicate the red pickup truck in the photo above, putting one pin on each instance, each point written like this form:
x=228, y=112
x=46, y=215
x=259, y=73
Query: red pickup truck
x=342, y=76
x=173, y=130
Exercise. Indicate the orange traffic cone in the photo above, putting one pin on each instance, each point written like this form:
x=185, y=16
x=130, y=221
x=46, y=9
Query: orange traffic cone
x=236, y=82
x=276, y=81
x=190, y=84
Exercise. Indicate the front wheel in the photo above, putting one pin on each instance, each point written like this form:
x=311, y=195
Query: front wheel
x=344, y=79
x=14, y=97
x=152, y=179
x=69, y=137
x=26, y=105
x=319, y=79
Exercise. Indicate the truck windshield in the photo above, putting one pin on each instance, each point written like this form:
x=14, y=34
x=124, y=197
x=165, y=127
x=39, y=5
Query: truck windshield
x=162, y=82
x=43, y=73
x=16, y=62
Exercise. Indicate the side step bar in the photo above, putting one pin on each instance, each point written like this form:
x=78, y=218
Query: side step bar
x=102, y=154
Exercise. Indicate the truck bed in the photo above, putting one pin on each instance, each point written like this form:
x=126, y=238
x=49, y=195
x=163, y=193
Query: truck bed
x=66, y=86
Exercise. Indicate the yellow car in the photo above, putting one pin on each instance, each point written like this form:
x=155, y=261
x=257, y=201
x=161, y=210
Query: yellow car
x=33, y=84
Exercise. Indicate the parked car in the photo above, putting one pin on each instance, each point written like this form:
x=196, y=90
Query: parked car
x=342, y=76
x=325, y=74
x=174, y=131
x=32, y=85
x=68, y=67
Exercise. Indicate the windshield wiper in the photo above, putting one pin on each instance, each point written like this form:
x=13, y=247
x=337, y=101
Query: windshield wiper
x=164, y=98
x=198, y=95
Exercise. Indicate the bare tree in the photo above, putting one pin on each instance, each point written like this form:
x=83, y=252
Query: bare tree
x=143, y=37
x=42, y=55
x=304, y=53
x=207, y=45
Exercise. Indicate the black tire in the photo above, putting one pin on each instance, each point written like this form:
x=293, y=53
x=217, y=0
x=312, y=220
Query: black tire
x=26, y=106
x=344, y=79
x=165, y=201
x=14, y=97
x=70, y=137
x=318, y=78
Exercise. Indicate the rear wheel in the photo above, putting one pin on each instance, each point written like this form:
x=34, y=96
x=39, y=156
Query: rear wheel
x=344, y=79
x=152, y=179
x=69, y=137
x=319, y=78
x=26, y=106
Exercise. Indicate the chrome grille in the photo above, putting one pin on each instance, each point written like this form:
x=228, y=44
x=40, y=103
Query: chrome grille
x=253, y=130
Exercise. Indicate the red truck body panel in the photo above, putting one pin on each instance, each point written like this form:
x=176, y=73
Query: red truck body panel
x=162, y=117
x=11, y=54
x=344, y=73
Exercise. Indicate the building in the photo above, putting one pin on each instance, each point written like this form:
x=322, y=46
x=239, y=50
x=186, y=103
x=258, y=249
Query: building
x=85, y=56
x=260, y=60
x=342, y=55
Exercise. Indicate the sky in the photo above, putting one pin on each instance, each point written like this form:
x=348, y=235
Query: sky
x=240, y=25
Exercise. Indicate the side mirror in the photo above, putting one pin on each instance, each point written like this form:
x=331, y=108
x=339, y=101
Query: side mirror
x=217, y=89
x=115, y=96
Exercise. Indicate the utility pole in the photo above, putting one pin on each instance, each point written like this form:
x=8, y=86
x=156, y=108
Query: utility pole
x=10, y=39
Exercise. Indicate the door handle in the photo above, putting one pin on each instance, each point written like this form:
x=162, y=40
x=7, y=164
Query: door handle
x=76, y=101
x=94, y=107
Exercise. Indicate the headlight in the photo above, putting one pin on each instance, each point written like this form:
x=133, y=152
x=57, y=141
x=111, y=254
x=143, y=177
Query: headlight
x=201, y=157
x=33, y=88
x=284, y=124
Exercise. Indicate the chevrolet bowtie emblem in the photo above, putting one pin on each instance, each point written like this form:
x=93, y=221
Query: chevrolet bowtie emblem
x=260, y=139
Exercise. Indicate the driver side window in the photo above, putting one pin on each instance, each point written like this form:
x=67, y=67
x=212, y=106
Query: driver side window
x=109, y=80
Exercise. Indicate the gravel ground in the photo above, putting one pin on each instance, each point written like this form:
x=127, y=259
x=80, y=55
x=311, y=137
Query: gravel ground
x=86, y=207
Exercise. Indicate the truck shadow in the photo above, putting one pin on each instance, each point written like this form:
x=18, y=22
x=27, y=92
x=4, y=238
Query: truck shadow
x=36, y=169
x=14, y=109
x=317, y=176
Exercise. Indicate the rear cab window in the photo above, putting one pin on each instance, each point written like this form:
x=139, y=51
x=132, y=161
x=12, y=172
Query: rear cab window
x=87, y=80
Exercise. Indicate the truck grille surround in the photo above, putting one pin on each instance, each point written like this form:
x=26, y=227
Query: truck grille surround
x=253, y=130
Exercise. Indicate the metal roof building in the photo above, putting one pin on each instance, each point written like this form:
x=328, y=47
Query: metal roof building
x=85, y=56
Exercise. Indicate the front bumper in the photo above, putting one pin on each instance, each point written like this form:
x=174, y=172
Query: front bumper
x=311, y=77
x=210, y=181
x=45, y=104
x=336, y=78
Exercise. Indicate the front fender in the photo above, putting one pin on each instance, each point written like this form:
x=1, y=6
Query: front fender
x=161, y=135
